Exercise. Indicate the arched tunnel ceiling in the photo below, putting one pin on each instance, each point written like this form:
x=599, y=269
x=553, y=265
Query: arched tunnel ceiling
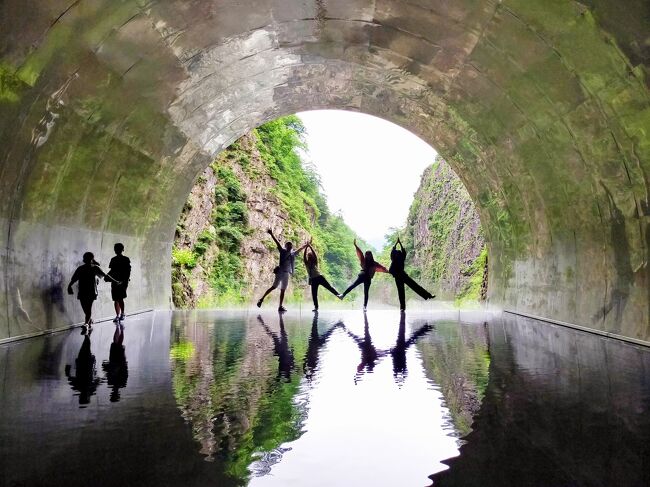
x=111, y=108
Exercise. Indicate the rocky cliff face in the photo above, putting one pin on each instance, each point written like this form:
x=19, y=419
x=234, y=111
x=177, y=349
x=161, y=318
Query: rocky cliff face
x=443, y=234
x=222, y=254
x=249, y=264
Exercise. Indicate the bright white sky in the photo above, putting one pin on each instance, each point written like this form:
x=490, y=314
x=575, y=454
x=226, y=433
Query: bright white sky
x=369, y=168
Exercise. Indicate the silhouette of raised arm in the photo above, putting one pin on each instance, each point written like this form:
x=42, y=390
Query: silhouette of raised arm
x=277, y=243
x=360, y=256
x=402, y=249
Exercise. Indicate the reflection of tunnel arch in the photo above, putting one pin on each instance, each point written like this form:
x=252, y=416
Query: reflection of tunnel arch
x=542, y=108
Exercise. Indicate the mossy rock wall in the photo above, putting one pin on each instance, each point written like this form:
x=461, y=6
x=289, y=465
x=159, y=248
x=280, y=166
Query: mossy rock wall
x=109, y=111
x=443, y=236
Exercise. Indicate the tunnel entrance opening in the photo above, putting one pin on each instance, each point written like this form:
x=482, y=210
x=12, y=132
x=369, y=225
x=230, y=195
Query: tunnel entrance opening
x=109, y=111
x=326, y=176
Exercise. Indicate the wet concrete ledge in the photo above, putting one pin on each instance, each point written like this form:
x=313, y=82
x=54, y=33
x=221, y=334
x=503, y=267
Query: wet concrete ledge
x=66, y=328
x=110, y=111
x=635, y=341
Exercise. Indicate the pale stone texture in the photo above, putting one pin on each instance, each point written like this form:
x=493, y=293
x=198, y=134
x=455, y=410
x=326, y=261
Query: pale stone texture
x=109, y=110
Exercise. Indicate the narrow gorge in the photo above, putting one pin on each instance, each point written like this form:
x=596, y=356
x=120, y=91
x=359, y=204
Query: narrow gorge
x=222, y=255
x=447, y=250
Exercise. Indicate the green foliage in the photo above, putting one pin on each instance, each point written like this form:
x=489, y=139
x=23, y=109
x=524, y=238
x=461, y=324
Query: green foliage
x=443, y=222
x=298, y=185
x=229, y=226
x=183, y=258
x=461, y=367
x=297, y=189
x=257, y=412
x=11, y=86
x=472, y=291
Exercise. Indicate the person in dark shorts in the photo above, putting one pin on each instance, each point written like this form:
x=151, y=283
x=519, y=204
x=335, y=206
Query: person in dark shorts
x=316, y=279
x=396, y=269
x=87, y=275
x=120, y=270
x=283, y=271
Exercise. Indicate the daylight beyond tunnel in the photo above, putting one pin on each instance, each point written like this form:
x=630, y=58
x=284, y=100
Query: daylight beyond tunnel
x=109, y=111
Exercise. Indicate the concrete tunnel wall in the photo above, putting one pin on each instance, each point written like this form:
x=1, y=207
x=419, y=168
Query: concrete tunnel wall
x=110, y=109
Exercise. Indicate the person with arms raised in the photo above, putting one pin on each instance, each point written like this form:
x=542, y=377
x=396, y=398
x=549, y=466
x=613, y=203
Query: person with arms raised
x=316, y=279
x=368, y=269
x=283, y=271
x=396, y=269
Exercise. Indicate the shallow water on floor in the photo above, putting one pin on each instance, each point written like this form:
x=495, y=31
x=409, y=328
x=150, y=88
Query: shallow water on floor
x=220, y=398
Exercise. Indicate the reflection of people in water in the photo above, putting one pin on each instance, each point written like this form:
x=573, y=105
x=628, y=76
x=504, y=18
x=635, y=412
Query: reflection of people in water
x=398, y=352
x=85, y=380
x=316, y=341
x=281, y=349
x=369, y=354
x=116, y=367
x=396, y=269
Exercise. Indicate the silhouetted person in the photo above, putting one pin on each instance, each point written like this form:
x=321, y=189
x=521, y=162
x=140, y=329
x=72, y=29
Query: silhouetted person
x=316, y=279
x=85, y=380
x=396, y=269
x=116, y=368
x=316, y=341
x=398, y=352
x=87, y=275
x=368, y=269
x=120, y=270
x=369, y=354
x=283, y=271
x=281, y=349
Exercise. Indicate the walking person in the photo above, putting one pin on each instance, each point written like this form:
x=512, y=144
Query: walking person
x=87, y=275
x=396, y=269
x=316, y=279
x=368, y=268
x=283, y=271
x=120, y=269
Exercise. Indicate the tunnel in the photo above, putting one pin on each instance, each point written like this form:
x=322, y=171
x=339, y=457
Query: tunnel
x=109, y=110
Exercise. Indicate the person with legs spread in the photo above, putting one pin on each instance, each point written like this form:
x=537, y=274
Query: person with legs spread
x=368, y=268
x=87, y=275
x=397, y=260
x=120, y=269
x=315, y=277
x=283, y=271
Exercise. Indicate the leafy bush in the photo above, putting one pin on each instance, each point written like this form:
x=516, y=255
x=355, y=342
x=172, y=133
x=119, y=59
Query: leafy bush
x=298, y=191
x=183, y=258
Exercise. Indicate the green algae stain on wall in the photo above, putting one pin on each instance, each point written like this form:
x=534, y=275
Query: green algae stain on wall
x=11, y=86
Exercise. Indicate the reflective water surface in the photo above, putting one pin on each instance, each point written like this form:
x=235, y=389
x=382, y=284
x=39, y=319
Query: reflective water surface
x=233, y=398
